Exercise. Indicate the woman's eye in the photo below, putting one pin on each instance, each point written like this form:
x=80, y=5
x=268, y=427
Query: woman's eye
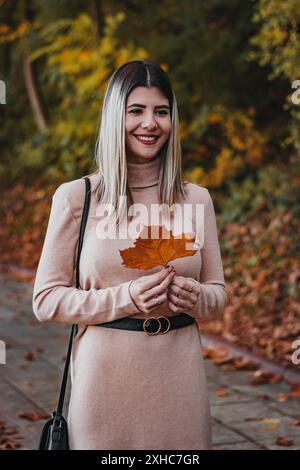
x=160, y=113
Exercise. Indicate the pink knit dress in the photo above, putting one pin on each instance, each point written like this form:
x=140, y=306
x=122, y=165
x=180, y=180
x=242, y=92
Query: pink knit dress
x=129, y=390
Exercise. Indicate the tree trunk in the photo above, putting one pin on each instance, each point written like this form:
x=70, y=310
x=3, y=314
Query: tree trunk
x=99, y=17
x=30, y=78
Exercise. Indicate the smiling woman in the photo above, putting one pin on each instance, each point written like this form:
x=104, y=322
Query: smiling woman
x=147, y=124
x=137, y=371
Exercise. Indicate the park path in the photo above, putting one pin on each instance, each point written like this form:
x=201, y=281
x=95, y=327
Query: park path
x=245, y=417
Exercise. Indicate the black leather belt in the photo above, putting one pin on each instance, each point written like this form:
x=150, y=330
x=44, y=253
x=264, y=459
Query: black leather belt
x=152, y=325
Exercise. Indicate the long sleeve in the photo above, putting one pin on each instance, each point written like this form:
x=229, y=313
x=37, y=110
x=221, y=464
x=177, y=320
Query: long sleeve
x=213, y=297
x=54, y=296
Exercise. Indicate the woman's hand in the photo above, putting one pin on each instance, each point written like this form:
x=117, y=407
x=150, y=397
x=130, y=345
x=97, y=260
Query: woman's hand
x=150, y=291
x=183, y=294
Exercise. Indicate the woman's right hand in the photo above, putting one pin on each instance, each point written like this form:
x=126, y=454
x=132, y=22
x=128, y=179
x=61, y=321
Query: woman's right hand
x=144, y=290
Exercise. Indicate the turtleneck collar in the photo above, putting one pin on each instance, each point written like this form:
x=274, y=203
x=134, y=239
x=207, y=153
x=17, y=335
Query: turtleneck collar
x=143, y=175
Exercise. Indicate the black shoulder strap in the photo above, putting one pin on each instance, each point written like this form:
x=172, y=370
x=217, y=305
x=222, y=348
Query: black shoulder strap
x=74, y=328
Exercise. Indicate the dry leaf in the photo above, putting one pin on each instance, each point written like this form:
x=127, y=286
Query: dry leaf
x=221, y=393
x=282, y=441
x=254, y=418
x=151, y=252
x=33, y=416
x=263, y=396
x=29, y=356
x=296, y=422
x=271, y=423
x=222, y=360
x=263, y=377
x=282, y=397
x=260, y=446
x=295, y=390
x=23, y=366
x=243, y=363
x=7, y=443
x=206, y=352
x=10, y=431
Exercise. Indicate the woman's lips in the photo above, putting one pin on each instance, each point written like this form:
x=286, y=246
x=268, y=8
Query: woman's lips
x=146, y=142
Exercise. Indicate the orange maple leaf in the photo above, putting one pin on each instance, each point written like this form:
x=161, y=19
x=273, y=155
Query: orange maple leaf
x=157, y=250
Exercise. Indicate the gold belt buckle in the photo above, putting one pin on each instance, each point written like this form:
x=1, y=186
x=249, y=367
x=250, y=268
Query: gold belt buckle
x=159, y=329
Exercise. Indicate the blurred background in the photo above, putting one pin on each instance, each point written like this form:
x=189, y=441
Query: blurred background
x=234, y=67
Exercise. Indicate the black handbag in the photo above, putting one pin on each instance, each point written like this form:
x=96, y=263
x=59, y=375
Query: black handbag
x=54, y=434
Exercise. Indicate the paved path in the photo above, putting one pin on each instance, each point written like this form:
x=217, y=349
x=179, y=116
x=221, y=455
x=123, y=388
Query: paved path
x=30, y=379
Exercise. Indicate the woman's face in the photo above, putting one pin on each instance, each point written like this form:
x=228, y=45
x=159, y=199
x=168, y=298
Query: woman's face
x=147, y=114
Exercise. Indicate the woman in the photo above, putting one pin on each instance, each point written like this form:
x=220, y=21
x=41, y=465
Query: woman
x=133, y=387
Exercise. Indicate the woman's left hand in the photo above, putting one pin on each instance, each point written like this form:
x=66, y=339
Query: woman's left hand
x=183, y=294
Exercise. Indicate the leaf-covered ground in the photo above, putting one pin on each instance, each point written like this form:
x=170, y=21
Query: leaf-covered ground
x=259, y=228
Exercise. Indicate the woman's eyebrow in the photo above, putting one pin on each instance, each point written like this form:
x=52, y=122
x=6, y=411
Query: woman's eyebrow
x=165, y=106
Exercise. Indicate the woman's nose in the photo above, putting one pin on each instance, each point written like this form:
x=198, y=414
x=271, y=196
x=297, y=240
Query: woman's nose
x=150, y=123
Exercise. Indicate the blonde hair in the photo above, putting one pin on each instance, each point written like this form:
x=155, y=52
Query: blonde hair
x=110, y=156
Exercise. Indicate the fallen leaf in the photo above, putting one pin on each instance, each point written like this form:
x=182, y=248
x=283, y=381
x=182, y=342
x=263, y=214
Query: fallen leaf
x=30, y=356
x=295, y=390
x=296, y=422
x=282, y=397
x=282, y=441
x=229, y=366
x=271, y=423
x=10, y=431
x=206, y=352
x=7, y=443
x=222, y=360
x=260, y=446
x=263, y=396
x=221, y=393
x=264, y=377
x=254, y=418
x=220, y=356
x=33, y=416
x=243, y=363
